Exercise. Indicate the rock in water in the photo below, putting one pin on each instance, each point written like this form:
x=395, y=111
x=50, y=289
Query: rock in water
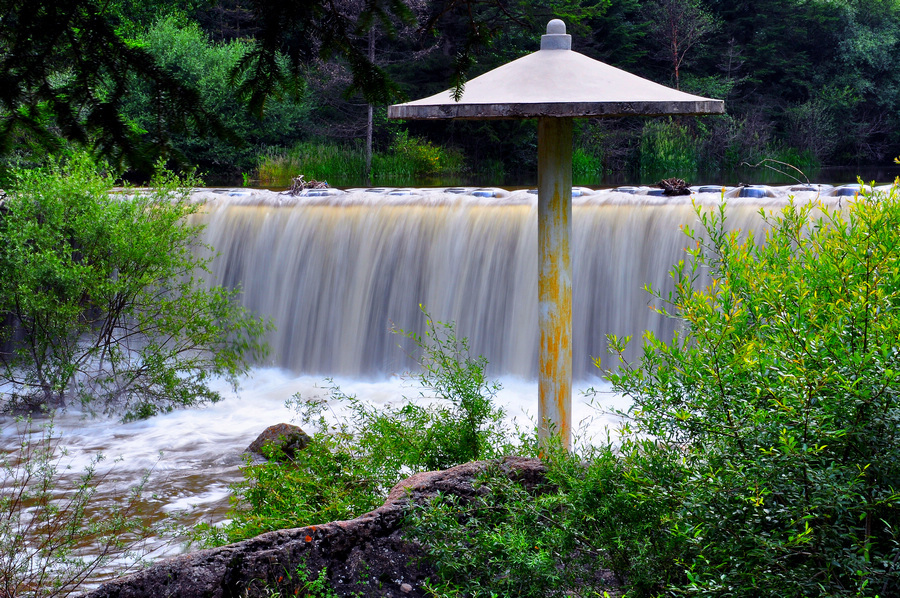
x=287, y=437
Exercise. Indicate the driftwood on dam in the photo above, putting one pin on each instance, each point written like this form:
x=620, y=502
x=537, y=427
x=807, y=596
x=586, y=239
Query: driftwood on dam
x=366, y=556
x=675, y=186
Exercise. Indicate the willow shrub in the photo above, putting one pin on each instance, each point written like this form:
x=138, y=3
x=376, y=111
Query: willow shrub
x=780, y=395
x=761, y=457
x=54, y=534
x=102, y=299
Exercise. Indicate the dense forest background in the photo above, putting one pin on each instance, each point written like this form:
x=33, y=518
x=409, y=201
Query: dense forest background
x=230, y=85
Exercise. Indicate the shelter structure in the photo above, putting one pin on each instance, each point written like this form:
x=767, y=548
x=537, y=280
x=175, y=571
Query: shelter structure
x=555, y=85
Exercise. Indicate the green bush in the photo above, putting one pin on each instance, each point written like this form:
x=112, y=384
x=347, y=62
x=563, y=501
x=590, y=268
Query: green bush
x=780, y=393
x=186, y=51
x=99, y=300
x=761, y=457
x=559, y=539
x=350, y=465
x=423, y=157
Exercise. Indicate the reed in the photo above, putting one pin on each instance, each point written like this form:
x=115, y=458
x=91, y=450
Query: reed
x=408, y=160
x=667, y=149
x=319, y=161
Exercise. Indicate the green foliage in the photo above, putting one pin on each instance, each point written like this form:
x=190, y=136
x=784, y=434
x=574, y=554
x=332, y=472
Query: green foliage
x=761, y=455
x=302, y=582
x=325, y=482
x=587, y=168
x=507, y=540
x=667, y=150
x=53, y=535
x=336, y=164
x=815, y=125
x=308, y=586
x=779, y=397
x=713, y=86
x=465, y=424
x=350, y=465
x=137, y=80
x=100, y=297
x=804, y=160
x=66, y=71
x=184, y=50
x=500, y=543
x=423, y=157
x=407, y=160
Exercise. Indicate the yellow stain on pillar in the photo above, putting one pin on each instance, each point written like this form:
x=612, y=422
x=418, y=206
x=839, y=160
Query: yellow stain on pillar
x=555, y=278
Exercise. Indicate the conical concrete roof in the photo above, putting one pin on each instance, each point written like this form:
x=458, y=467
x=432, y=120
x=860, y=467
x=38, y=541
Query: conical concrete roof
x=556, y=82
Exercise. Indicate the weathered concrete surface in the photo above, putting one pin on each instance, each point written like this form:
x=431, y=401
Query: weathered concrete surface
x=555, y=279
x=556, y=82
x=368, y=555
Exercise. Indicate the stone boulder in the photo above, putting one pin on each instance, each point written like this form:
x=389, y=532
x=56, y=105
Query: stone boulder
x=367, y=556
x=288, y=437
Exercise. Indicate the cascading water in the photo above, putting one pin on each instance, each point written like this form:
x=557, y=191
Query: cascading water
x=336, y=273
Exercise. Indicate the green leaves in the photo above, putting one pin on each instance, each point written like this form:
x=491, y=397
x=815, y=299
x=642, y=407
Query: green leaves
x=780, y=385
x=351, y=464
x=100, y=298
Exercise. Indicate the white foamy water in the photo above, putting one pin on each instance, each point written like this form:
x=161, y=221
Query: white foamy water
x=193, y=455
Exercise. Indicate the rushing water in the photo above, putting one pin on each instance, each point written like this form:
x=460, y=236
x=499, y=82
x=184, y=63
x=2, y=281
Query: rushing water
x=336, y=272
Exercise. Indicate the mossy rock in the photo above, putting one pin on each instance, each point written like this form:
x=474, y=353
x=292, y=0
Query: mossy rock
x=285, y=438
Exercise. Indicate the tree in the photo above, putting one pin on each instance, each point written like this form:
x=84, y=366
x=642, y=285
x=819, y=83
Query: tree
x=64, y=71
x=66, y=68
x=102, y=298
x=181, y=48
x=679, y=25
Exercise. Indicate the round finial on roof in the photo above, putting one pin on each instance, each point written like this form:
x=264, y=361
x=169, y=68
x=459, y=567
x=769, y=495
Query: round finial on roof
x=556, y=27
x=556, y=38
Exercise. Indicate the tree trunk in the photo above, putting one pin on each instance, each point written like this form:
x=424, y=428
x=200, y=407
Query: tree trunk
x=369, y=117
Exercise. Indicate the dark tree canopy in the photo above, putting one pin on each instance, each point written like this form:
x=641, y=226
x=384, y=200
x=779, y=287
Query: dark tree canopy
x=65, y=68
x=805, y=77
x=64, y=71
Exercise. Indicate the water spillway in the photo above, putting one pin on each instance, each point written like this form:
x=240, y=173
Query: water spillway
x=337, y=271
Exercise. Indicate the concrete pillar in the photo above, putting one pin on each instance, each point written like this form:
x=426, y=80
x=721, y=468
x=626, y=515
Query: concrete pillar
x=555, y=278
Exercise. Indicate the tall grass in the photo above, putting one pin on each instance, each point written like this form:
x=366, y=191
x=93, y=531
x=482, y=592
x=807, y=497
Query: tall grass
x=587, y=167
x=667, y=149
x=319, y=161
x=408, y=161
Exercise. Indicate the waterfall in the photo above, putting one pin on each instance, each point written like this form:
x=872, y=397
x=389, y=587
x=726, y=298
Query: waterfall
x=335, y=273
